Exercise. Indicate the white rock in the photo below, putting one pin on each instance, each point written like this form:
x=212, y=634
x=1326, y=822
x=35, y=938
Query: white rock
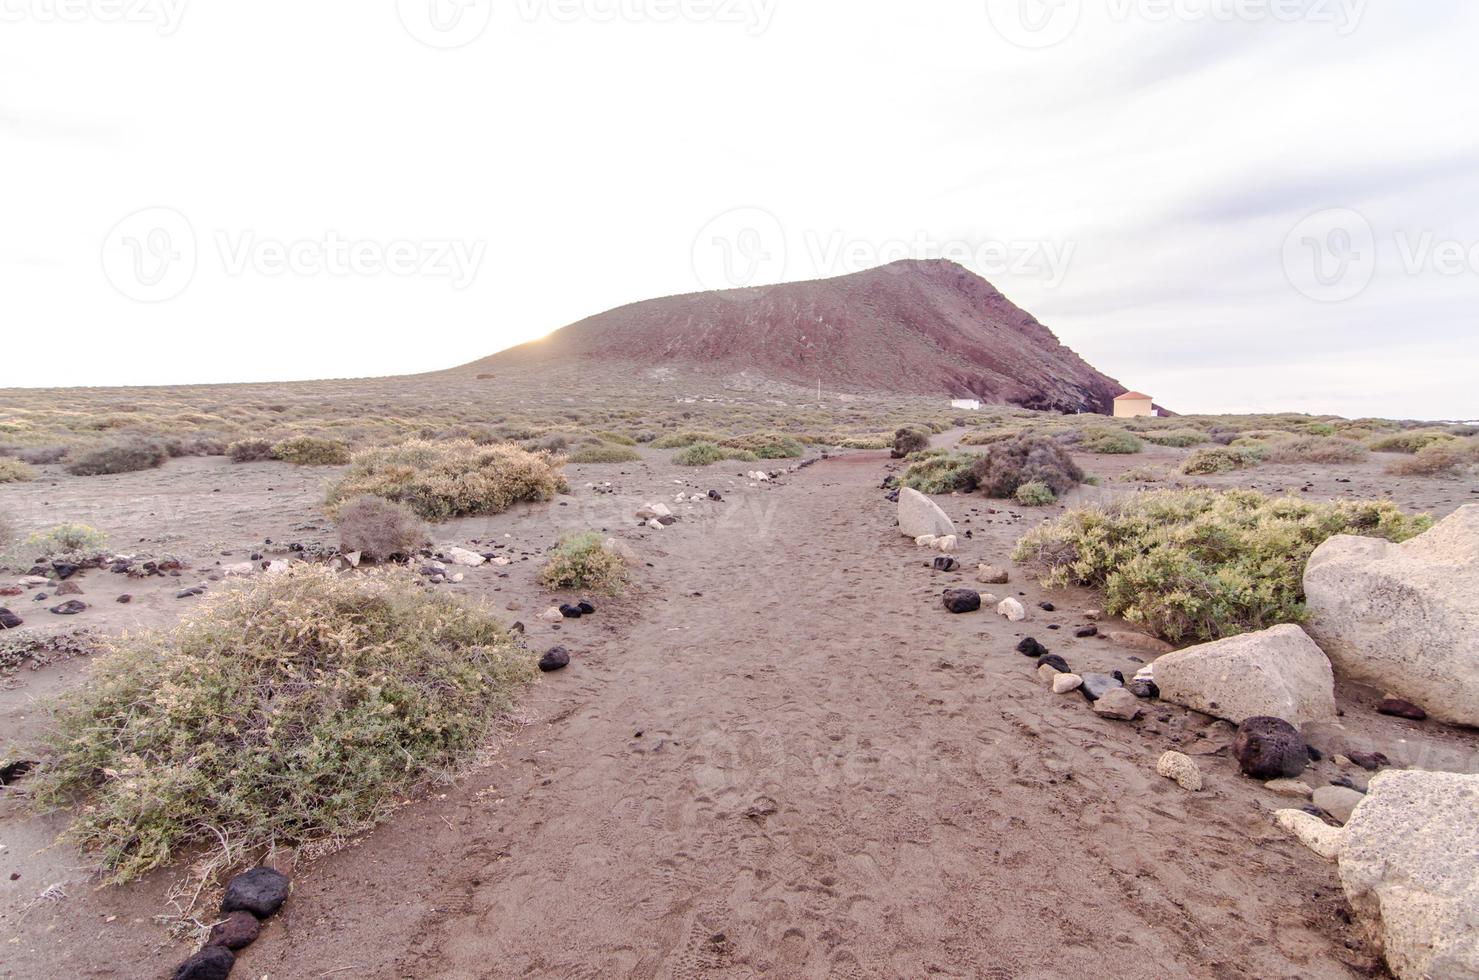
x=661, y=510
x=465, y=558
x=29, y=580
x=458, y=577
x=1012, y=609
x=278, y=567
x=926, y=541
x=947, y=544
x=919, y=515
x=1338, y=801
x=1065, y=683
x=240, y=568
x=1278, y=672
x=1311, y=831
x=354, y=558
x=552, y=615
x=502, y=562
x=1409, y=861
x=1048, y=675
x=1289, y=787
x=1181, y=768
x=1404, y=617
x=655, y=524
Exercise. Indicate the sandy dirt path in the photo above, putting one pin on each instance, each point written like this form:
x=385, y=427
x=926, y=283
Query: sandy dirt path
x=787, y=760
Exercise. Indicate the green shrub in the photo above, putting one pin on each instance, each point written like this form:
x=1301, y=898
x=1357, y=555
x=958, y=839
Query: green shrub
x=1409, y=442
x=249, y=450
x=1199, y=564
x=65, y=539
x=311, y=451
x=442, y=480
x=605, y=453
x=118, y=457
x=1176, y=438
x=767, y=445
x=682, y=440
x=1112, y=442
x=1026, y=459
x=582, y=561
x=1222, y=459
x=706, y=453
x=939, y=471
x=14, y=471
x=300, y=708
x=910, y=439
x=1035, y=494
x=379, y=529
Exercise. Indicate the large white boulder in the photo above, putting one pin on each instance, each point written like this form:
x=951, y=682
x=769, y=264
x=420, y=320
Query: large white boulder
x=1278, y=673
x=1409, y=861
x=920, y=516
x=1404, y=617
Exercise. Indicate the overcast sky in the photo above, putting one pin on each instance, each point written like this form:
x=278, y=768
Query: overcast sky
x=1236, y=205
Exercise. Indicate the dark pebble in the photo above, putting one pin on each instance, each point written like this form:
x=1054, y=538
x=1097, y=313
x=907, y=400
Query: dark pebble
x=1270, y=748
x=570, y=612
x=1098, y=685
x=1145, y=690
x=585, y=607
x=944, y=563
x=9, y=620
x=1083, y=633
x=211, y=963
x=1397, y=708
x=237, y=931
x=1047, y=607
x=1029, y=647
x=962, y=600
x=1054, y=661
x=1370, y=761
x=557, y=658
x=71, y=608
x=125, y=599
x=260, y=891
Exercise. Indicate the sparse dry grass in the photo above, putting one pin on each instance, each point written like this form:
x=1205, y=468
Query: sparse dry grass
x=15, y=471
x=380, y=530
x=442, y=480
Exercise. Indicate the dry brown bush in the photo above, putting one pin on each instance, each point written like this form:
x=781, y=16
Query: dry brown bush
x=380, y=530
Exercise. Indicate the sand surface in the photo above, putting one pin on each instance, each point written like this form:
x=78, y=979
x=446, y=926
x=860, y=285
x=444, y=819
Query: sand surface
x=776, y=755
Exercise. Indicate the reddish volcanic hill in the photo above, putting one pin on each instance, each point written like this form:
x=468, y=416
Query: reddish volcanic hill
x=908, y=328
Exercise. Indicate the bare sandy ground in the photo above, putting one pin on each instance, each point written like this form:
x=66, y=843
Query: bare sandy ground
x=776, y=756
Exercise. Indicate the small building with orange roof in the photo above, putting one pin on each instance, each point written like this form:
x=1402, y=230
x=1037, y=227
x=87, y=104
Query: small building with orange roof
x=1133, y=404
